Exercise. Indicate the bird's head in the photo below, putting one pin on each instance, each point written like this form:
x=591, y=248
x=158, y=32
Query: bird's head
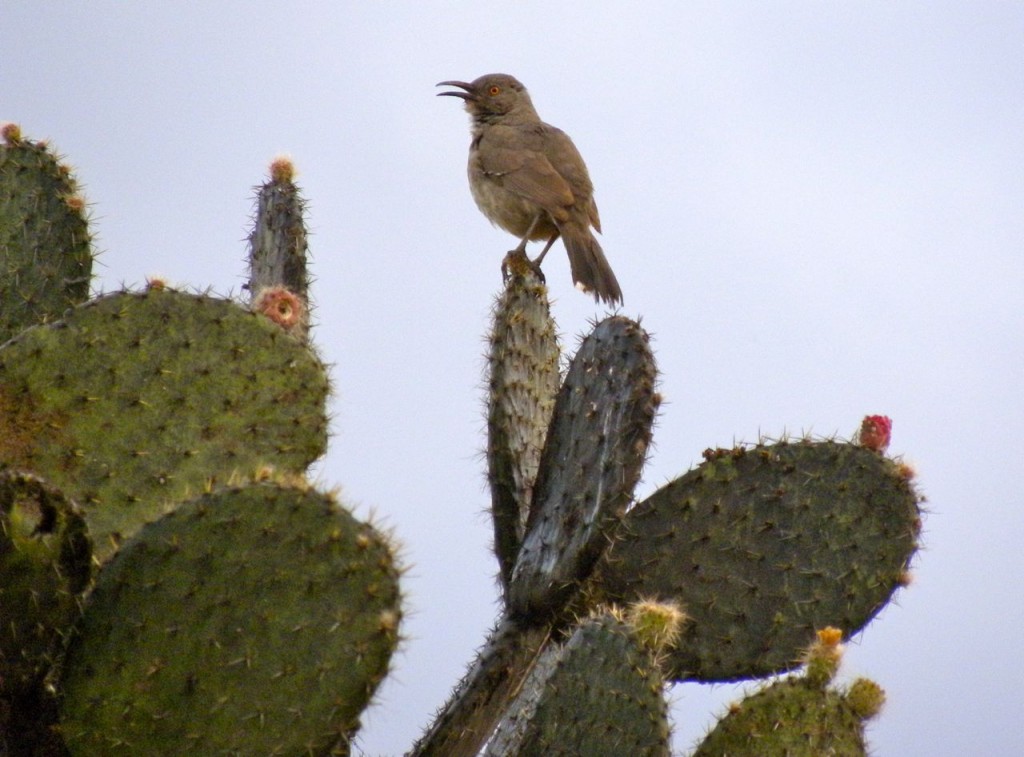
x=493, y=97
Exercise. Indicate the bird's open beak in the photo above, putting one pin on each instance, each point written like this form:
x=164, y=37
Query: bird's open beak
x=467, y=95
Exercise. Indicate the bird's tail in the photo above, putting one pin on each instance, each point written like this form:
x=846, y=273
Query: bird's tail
x=590, y=269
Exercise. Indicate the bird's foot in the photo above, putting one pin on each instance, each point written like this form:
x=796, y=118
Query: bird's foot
x=516, y=263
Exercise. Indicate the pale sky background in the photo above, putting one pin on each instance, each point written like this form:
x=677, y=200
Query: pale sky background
x=816, y=208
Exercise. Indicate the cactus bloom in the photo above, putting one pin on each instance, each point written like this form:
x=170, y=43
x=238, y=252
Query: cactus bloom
x=282, y=306
x=875, y=432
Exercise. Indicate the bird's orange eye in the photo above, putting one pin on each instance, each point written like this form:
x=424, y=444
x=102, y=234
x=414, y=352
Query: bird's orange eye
x=494, y=90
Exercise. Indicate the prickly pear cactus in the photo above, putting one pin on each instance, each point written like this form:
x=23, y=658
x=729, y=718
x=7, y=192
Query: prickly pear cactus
x=136, y=399
x=259, y=617
x=45, y=561
x=763, y=545
x=800, y=716
x=523, y=377
x=267, y=608
x=598, y=692
x=759, y=546
x=45, y=246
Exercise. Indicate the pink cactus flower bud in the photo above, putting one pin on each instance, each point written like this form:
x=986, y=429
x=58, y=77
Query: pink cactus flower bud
x=875, y=432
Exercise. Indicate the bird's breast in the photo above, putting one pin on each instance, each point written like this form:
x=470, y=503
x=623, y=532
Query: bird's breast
x=506, y=209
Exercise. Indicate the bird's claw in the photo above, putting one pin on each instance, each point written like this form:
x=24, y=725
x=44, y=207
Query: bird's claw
x=516, y=263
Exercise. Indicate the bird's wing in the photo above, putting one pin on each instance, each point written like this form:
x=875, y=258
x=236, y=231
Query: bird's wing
x=528, y=173
x=568, y=162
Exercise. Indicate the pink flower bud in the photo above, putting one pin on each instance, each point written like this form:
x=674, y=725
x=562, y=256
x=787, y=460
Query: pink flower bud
x=875, y=432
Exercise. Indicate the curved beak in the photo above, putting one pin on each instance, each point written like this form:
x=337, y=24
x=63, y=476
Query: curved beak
x=467, y=95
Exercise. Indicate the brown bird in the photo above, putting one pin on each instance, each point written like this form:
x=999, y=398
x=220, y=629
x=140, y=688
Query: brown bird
x=528, y=178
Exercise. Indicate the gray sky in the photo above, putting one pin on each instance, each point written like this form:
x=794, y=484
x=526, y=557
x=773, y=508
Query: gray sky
x=817, y=209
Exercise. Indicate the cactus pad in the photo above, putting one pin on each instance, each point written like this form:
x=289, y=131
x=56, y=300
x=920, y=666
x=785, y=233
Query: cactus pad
x=255, y=620
x=761, y=546
x=592, y=459
x=45, y=257
x=45, y=563
x=800, y=716
x=522, y=383
x=139, y=399
x=277, y=245
x=599, y=693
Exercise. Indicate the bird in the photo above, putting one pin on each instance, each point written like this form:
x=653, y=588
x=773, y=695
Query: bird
x=528, y=178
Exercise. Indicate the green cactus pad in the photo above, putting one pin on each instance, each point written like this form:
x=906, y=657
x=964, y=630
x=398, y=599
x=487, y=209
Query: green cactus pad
x=592, y=459
x=792, y=717
x=45, y=563
x=523, y=380
x=760, y=546
x=45, y=257
x=140, y=399
x=254, y=620
x=277, y=244
x=600, y=693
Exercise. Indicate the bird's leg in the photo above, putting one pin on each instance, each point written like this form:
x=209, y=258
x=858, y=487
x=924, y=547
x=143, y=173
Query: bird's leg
x=517, y=263
x=537, y=261
x=520, y=255
x=520, y=251
x=529, y=232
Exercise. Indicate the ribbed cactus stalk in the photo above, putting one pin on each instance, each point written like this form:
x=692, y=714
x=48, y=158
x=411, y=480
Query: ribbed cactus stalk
x=278, y=251
x=523, y=380
x=170, y=584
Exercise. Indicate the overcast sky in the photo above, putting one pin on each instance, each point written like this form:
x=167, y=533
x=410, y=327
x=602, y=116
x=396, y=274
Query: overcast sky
x=816, y=208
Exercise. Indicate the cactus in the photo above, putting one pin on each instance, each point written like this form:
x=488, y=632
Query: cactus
x=236, y=610
x=762, y=546
x=800, y=716
x=267, y=608
x=121, y=410
x=45, y=246
x=90, y=398
x=592, y=457
x=45, y=559
x=598, y=692
x=523, y=382
x=278, y=280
